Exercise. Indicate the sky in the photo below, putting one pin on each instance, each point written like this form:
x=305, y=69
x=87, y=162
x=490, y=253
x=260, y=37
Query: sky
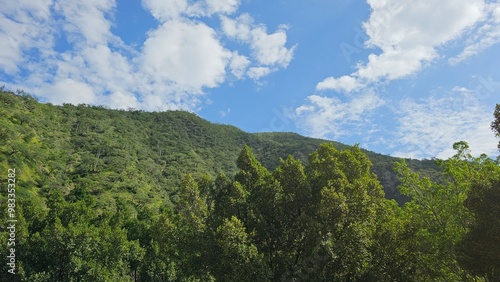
x=399, y=77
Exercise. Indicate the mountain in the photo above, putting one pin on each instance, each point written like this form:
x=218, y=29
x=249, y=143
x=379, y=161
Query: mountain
x=97, y=194
x=141, y=156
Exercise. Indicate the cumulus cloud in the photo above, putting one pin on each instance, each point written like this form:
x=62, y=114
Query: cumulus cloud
x=239, y=28
x=268, y=50
x=408, y=35
x=180, y=57
x=222, y=6
x=329, y=117
x=186, y=54
x=238, y=65
x=105, y=69
x=120, y=100
x=165, y=10
x=258, y=72
x=69, y=91
x=345, y=82
x=428, y=128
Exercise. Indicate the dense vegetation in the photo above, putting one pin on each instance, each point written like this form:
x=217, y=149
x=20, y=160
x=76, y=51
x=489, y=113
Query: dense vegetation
x=106, y=195
x=143, y=153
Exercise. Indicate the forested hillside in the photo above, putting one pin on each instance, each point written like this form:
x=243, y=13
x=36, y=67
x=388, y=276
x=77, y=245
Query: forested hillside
x=107, y=195
x=142, y=152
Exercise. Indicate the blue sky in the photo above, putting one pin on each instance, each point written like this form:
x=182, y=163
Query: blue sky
x=399, y=77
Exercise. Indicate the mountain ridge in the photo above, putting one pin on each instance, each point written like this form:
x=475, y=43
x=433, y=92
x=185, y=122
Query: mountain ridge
x=145, y=153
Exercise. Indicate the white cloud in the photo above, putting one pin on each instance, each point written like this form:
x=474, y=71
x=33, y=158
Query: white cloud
x=342, y=83
x=174, y=9
x=107, y=70
x=11, y=54
x=268, y=50
x=120, y=100
x=238, y=64
x=186, y=54
x=222, y=6
x=179, y=59
x=258, y=72
x=87, y=20
x=23, y=27
x=428, y=128
x=239, y=28
x=69, y=91
x=225, y=113
x=461, y=89
x=210, y=7
x=37, y=9
x=408, y=34
x=486, y=34
x=326, y=117
x=165, y=10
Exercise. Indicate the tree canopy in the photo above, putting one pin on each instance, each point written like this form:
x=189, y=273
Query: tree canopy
x=93, y=202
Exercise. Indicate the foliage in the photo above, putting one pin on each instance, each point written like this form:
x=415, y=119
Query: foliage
x=479, y=250
x=133, y=196
x=495, y=124
x=141, y=156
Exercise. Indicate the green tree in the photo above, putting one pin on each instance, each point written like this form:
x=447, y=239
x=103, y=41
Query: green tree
x=191, y=207
x=229, y=199
x=263, y=215
x=437, y=212
x=347, y=196
x=296, y=196
x=392, y=250
x=429, y=215
x=495, y=124
x=238, y=259
x=77, y=244
x=251, y=172
x=161, y=258
x=479, y=250
x=191, y=231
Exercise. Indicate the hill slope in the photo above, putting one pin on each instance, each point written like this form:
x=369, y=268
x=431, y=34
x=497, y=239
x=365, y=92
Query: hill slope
x=136, y=155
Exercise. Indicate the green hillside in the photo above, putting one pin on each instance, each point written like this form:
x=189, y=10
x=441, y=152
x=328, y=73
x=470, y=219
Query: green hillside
x=113, y=152
x=92, y=194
